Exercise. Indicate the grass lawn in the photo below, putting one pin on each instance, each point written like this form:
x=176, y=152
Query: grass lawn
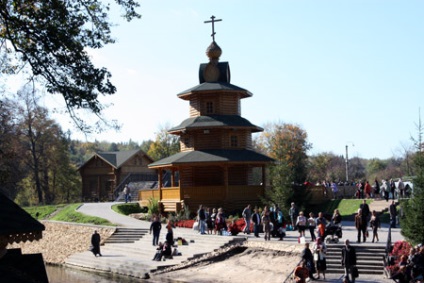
x=347, y=208
x=65, y=213
x=42, y=212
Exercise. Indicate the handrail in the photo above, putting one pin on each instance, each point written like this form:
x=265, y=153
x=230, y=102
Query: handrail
x=389, y=240
x=116, y=192
x=387, y=250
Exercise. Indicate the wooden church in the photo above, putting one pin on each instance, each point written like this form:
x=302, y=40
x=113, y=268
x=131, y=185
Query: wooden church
x=217, y=165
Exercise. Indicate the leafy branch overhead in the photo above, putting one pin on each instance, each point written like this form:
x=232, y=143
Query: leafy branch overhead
x=52, y=37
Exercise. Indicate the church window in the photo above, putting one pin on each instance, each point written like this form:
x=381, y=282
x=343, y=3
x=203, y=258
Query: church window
x=209, y=107
x=233, y=141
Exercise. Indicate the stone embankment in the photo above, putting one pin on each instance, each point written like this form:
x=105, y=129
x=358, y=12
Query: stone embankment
x=61, y=240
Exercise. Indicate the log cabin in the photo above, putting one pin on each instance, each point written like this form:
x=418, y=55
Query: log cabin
x=105, y=174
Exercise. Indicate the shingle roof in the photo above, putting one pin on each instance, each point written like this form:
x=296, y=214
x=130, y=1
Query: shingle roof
x=218, y=86
x=216, y=121
x=16, y=223
x=213, y=155
x=116, y=158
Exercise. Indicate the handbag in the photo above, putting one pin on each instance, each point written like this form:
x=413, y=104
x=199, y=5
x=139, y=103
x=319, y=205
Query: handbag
x=355, y=272
x=315, y=256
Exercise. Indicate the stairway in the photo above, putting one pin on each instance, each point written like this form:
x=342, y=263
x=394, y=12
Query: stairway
x=369, y=258
x=126, y=235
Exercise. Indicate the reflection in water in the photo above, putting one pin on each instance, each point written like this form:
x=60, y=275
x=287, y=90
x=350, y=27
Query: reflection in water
x=59, y=274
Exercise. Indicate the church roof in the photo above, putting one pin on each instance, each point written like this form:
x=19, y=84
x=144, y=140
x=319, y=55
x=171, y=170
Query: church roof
x=215, y=121
x=16, y=224
x=208, y=87
x=116, y=158
x=213, y=156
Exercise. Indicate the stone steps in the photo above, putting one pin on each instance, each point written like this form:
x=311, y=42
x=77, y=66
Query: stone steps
x=135, y=258
x=126, y=235
x=369, y=259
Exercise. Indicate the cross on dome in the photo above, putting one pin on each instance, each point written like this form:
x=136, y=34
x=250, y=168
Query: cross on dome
x=213, y=26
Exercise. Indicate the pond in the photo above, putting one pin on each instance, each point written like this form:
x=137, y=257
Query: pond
x=58, y=274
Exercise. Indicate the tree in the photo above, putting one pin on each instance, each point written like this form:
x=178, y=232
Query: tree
x=288, y=145
x=50, y=173
x=50, y=39
x=412, y=224
x=11, y=169
x=164, y=145
x=326, y=166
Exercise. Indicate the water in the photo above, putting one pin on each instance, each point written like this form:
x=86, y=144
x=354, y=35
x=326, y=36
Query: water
x=59, y=274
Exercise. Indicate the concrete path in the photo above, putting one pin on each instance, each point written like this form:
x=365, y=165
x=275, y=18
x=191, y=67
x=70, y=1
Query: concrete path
x=136, y=259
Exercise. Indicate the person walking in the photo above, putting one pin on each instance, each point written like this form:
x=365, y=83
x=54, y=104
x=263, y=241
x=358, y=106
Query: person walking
x=361, y=226
x=256, y=218
x=334, y=189
x=126, y=192
x=392, y=188
x=377, y=189
x=155, y=227
x=374, y=224
x=321, y=224
x=393, y=214
x=201, y=216
x=308, y=258
x=95, y=243
x=367, y=190
x=301, y=224
x=247, y=215
x=348, y=260
x=312, y=225
x=266, y=221
x=336, y=218
x=365, y=209
x=320, y=251
x=386, y=185
x=293, y=213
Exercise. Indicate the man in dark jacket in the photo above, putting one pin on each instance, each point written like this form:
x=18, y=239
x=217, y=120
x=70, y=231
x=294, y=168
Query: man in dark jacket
x=393, y=214
x=348, y=260
x=308, y=258
x=365, y=210
x=95, y=242
x=256, y=218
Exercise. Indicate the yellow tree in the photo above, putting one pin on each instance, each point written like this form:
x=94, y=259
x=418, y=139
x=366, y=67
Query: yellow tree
x=288, y=145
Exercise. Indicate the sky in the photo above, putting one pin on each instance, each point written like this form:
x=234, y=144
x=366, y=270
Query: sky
x=350, y=73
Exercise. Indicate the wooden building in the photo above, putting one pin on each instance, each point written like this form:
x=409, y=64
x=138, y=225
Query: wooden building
x=217, y=165
x=105, y=174
x=17, y=226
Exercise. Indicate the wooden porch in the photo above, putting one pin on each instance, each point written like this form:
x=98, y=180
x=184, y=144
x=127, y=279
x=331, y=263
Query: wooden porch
x=229, y=197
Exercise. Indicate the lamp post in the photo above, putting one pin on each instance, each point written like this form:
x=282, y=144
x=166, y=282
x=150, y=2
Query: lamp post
x=347, y=164
x=347, y=161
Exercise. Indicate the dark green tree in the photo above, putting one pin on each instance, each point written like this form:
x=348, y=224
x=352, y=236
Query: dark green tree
x=50, y=38
x=412, y=222
x=11, y=162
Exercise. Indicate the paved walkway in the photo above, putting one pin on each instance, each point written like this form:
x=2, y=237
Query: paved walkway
x=136, y=259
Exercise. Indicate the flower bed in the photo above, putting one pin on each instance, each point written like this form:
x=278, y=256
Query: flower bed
x=239, y=224
x=400, y=248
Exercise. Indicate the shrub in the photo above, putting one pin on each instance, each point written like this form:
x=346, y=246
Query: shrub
x=128, y=208
x=153, y=206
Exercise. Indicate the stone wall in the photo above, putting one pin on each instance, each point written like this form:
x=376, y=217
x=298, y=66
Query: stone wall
x=61, y=240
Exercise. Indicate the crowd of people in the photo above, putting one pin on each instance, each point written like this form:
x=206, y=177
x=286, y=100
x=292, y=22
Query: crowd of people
x=314, y=262
x=410, y=267
x=384, y=189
